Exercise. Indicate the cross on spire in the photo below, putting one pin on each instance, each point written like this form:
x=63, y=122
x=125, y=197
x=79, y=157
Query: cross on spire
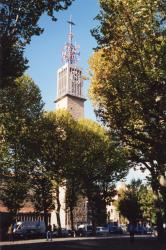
x=70, y=35
x=70, y=53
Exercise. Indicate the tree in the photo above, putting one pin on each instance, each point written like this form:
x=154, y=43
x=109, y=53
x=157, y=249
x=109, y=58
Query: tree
x=45, y=161
x=12, y=62
x=42, y=193
x=146, y=201
x=136, y=202
x=19, y=22
x=66, y=127
x=128, y=82
x=101, y=165
x=129, y=206
x=19, y=113
x=52, y=137
x=72, y=172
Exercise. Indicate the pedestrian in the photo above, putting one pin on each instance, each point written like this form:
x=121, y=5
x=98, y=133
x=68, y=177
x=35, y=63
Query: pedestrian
x=131, y=229
x=49, y=232
x=10, y=233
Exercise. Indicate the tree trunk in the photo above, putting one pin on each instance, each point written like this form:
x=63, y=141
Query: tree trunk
x=160, y=228
x=58, y=207
x=93, y=220
x=93, y=214
x=71, y=218
x=159, y=217
x=104, y=212
x=46, y=217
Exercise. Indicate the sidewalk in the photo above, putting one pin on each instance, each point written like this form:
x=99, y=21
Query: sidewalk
x=34, y=241
x=21, y=244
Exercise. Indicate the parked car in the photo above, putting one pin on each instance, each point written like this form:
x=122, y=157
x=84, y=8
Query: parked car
x=64, y=232
x=84, y=230
x=81, y=232
x=29, y=229
x=140, y=230
x=71, y=233
x=149, y=230
x=102, y=231
x=115, y=230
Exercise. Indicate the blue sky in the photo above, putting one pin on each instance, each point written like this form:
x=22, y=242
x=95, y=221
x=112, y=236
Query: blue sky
x=44, y=51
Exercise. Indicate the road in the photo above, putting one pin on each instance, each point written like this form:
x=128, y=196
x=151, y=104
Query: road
x=109, y=243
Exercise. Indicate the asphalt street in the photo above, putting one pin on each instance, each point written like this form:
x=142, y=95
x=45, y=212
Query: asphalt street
x=111, y=243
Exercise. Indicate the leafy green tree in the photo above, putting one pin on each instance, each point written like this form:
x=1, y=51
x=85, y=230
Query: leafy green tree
x=101, y=166
x=45, y=160
x=136, y=202
x=72, y=172
x=73, y=191
x=146, y=201
x=66, y=128
x=129, y=207
x=12, y=62
x=52, y=137
x=19, y=22
x=42, y=190
x=128, y=203
x=42, y=194
x=128, y=82
x=19, y=113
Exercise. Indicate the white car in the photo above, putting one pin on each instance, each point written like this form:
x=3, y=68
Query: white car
x=102, y=231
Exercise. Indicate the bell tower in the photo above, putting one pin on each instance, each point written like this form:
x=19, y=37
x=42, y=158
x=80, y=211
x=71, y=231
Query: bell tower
x=69, y=79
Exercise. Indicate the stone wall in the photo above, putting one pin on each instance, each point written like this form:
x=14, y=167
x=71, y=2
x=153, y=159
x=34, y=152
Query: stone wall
x=73, y=104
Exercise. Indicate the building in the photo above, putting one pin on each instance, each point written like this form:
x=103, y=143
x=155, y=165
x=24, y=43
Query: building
x=69, y=80
x=70, y=97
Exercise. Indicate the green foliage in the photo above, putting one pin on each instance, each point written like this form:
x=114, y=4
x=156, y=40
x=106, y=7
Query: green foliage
x=53, y=143
x=19, y=22
x=101, y=165
x=42, y=193
x=12, y=62
x=51, y=149
x=146, y=200
x=128, y=82
x=128, y=203
x=13, y=192
x=129, y=207
x=43, y=155
x=136, y=202
x=20, y=108
x=20, y=18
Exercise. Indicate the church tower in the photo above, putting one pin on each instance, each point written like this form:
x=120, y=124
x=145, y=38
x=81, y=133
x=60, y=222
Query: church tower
x=69, y=80
x=69, y=96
